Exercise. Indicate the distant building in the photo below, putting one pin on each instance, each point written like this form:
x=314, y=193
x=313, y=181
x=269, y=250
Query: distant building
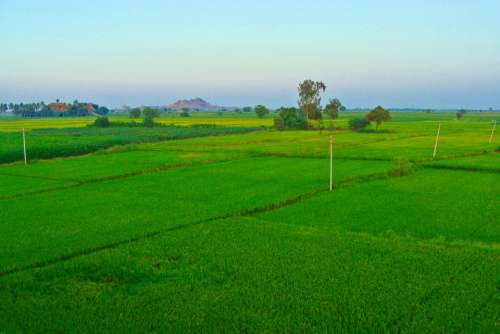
x=58, y=107
x=90, y=108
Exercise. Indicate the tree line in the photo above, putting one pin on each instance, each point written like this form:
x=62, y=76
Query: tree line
x=309, y=109
x=55, y=109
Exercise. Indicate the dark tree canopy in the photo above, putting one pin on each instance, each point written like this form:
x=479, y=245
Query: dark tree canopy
x=59, y=109
x=261, y=111
x=333, y=108
x=290, y=118
x=135, y=113
x=378, y=115
x=358, y=123
x=150, y=112
x=460, y=114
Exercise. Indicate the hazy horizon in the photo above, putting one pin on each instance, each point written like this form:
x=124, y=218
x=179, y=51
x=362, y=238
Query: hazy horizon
x=442, y=55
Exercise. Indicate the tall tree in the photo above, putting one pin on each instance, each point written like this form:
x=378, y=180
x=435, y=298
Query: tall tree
x=135, y=113
x=378, y=115
x=150, y=112
x=309, y=97
x=460, y=114
x=261, y=111
x=332, y=109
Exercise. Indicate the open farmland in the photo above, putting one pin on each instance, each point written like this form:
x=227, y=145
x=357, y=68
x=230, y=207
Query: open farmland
x=232, y=228
x=13, y=124
x=61, y=142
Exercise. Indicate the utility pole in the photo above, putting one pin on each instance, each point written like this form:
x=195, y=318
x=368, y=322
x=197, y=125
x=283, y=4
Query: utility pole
x=24, y=148
x=437, y=141
x=493, y=131
x=331, y=162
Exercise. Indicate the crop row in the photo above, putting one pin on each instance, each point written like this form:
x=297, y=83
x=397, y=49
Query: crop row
x=248, y=275
x=51, y=143
x=47, y=225
x=431, y=204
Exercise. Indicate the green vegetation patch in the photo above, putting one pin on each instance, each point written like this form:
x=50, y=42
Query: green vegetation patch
x=11, y=185
x=247, y=275
x=52, y=224
x=484, y=162
x=51, y=143
x=111, y=164
x=432, y=204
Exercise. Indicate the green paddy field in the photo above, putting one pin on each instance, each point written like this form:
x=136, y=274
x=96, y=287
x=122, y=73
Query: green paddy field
x=221, y=224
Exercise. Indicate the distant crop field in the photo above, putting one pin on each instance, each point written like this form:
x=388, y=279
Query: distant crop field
x=232, y=228
x=229, y=119
x=14, y=124
x=61, y=142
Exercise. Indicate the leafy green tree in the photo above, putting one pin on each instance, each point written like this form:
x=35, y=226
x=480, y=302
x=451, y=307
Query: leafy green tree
x=149, y=115
x=358, y=124
x=135, y=113
x=150, y=112
x=460, y=114
x=102, y=122
x=309, y=98
x=332, y=109
x=185, y=112
x=247, y=109
x=148, y=121
x=378, y=115
x=261, y=111
x=290, y=118
x=102, y=110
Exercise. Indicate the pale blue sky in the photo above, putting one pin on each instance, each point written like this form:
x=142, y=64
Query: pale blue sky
x=434, y=53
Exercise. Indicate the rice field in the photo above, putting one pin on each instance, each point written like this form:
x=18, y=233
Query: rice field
x=232, y=228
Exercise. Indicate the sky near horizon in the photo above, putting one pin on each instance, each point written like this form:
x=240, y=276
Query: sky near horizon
x=421, y=53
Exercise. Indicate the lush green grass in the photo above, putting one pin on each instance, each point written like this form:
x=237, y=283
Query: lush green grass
x=11, y=185
x=17, y=179
x=237, y=232
x=246, y=275
x=484, y=162
x=414, y=141
x=51, y=143
x=431, y=204
x=229, y=119
x=14, y=124
x=67, y=220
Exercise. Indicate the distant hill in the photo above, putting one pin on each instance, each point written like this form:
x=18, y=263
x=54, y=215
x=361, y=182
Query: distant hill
x=194, y=104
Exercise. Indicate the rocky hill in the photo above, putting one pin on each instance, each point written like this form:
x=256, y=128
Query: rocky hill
x=194, y=104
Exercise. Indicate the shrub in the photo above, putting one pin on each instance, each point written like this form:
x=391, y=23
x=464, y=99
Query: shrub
x=401, y=167
x=460, y=114
x=102, y=122
x=150, y=112
x=290, y=118
x=378, y=115
x=148, y=121
x=333, y=108
x=185, y=113
x=261, y=111
x=135, y=113
x=358, y=124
